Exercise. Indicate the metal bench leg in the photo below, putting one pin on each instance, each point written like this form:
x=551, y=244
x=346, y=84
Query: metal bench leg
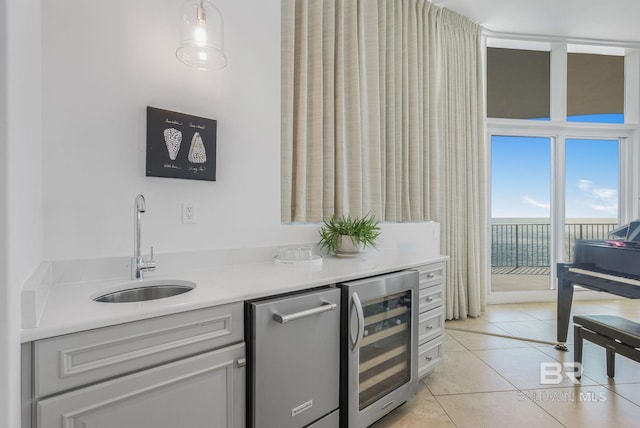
x=611, y=362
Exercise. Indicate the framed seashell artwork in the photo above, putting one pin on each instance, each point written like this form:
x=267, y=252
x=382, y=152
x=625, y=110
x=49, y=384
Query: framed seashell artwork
x=180, y=145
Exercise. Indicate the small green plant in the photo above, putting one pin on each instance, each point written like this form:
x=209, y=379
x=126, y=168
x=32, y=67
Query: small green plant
x=363, y=231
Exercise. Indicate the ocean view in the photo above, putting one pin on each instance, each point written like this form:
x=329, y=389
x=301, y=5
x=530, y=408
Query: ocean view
x=525, y=242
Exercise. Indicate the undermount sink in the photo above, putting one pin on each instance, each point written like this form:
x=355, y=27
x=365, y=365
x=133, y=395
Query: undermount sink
x=147, y=290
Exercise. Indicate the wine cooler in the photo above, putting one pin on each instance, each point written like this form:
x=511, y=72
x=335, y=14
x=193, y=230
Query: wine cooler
x=379, y=346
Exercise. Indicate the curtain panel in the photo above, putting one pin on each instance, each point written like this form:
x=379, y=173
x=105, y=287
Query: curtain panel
x=382, y=113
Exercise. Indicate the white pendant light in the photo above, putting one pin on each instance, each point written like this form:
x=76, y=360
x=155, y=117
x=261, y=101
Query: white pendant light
x=202, y=42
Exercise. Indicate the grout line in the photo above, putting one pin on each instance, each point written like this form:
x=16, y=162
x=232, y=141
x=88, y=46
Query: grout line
x=535, y=403
x=445, y=412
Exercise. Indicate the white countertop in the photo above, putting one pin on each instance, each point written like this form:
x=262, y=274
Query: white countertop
x=69, y=307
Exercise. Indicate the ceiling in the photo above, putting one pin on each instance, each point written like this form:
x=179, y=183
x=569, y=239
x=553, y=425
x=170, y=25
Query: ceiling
x=610, y=20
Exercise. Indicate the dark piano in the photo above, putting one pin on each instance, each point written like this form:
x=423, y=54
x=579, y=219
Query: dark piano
x=611, y=266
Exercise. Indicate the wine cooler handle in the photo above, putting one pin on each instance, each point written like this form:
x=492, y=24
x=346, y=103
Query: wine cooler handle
x=360, y=317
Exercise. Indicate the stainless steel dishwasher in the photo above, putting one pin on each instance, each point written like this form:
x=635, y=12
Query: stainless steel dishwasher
x=294, y=360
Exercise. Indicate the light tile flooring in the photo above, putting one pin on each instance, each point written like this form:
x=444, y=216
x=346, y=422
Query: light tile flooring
x=489, y=381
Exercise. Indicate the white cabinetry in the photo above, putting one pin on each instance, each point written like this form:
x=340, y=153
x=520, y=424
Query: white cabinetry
x=431, y=317
x=186, y=369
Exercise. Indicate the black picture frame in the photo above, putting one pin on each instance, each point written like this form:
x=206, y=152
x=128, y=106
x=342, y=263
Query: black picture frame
x=180, y=145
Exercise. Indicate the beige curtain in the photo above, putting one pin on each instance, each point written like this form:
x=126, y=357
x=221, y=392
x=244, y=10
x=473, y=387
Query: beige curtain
x=382, y=113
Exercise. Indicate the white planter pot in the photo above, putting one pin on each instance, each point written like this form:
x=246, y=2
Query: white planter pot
x=347, y=247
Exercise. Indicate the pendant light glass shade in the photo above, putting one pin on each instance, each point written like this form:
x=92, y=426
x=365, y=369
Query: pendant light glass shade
x=202, y=41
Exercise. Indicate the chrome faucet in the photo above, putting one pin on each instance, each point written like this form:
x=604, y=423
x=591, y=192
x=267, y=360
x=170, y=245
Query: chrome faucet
x=138, y=264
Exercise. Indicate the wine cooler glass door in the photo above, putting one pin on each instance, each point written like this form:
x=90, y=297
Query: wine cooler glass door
x=385, y=348
x=380, y=345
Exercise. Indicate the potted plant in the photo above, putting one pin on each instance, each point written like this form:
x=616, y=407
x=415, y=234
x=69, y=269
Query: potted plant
x=348, y=236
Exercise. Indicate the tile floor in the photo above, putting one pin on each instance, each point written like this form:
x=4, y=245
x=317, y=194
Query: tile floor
x=489, y=381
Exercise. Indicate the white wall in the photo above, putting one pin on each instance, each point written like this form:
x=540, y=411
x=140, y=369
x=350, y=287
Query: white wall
x=23, y=158
x=5, y=331
x=75, y=141
x=103, y=63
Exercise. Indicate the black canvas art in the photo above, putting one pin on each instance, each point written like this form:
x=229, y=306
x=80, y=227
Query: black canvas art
x=180, y=145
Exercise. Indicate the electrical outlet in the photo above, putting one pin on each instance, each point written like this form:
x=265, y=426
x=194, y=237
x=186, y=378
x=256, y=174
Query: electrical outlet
x=188, y=212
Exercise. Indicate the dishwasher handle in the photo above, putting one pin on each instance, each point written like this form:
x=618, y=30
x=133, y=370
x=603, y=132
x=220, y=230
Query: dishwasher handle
x=326, y=307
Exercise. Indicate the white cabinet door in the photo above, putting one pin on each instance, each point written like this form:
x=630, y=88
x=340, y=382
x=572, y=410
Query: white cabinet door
x=207, y=390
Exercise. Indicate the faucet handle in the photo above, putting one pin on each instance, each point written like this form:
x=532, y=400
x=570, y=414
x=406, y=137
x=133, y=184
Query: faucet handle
x=148, y=264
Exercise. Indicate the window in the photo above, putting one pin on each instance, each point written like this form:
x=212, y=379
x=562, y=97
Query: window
x=591, y=190
x=554, y=180
x=518, y=84
x=520, y=174
x=520, y=212
x=595, y=88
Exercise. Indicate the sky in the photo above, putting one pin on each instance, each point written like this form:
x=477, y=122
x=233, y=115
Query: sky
x=521, y=176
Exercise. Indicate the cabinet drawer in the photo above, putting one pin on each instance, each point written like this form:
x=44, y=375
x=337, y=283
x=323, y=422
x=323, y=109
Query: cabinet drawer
x=430, y=355
x=430, y=325
x=207, y=390
x=431, y=274
x=76, y=359
x=431, y=297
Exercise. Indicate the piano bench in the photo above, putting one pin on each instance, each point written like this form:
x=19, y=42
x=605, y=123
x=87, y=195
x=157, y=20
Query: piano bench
x=616, y=334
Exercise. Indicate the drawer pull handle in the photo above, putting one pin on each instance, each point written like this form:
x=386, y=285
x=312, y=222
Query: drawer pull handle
x=429, y=358
x=431, y=275
x=429, y=327
x=241, y=362
x=429, y=299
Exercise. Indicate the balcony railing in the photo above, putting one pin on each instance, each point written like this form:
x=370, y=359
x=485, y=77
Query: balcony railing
x=528, y=244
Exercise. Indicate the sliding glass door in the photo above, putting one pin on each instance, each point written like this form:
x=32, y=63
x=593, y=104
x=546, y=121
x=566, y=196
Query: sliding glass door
x=525, y=175
x=592, y=176
x=520, y=213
